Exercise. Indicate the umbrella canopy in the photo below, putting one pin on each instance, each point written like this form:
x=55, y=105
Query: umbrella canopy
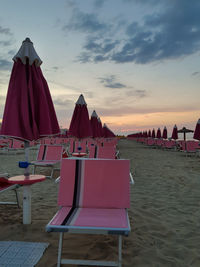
x=164, y=135
x=153, y=135
x=100, y=127
x=149, y=133
x=29, y=112
x=158, y=134
x=80, y=126
x=197, y=131
x=184, y=130
x=107, y=132
x=175, y=133
x=95, y=125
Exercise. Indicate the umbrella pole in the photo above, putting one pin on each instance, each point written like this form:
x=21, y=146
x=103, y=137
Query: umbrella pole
x=26, y=191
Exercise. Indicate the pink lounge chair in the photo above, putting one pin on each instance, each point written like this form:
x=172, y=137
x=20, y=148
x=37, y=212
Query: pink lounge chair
x=106, y=152
x=5, y=186
x=89, y=201
x=48, y=156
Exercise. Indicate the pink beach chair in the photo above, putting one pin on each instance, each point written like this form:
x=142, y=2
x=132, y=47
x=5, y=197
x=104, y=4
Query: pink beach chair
x=106, y=152
x=89, y=203
x=5, y=186
x=48, y=156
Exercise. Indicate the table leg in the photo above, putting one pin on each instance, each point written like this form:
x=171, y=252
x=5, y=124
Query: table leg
x=26, y=204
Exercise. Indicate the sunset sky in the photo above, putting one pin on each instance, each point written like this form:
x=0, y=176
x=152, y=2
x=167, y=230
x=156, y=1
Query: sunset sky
x=137, y=62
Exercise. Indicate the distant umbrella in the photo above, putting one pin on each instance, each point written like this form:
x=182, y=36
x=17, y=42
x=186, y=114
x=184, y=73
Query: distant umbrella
x=100, y=127
x=95, y=125
x=197, y=131
x=164, y=135
x=107, y=132
x=153, y=135
x=80, y=123
x=175, y=133
x=158, y=135
x=184, y=130
x=149, y=133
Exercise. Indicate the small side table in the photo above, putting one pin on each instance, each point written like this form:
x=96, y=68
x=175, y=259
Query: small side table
x=26, y=181
x=79, y=155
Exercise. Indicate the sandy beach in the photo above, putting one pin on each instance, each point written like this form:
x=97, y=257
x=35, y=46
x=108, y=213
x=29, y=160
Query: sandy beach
x=164, y=213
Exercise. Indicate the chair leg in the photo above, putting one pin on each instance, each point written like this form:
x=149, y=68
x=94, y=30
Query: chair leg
x=17, y=198
x=34, y=169
x=120, y=250
x=60, y=249
x=52, y=171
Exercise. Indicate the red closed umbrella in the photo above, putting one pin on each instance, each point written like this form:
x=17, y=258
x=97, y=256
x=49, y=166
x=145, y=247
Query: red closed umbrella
x=29, y=112
x=197, y=131
x=164, y=135
x=107, y=132
x=158, y=135
x=175, y=133
x=100, y=127
x=80, y=126
x=95, y=125
x=149, y=133
x=153, y=135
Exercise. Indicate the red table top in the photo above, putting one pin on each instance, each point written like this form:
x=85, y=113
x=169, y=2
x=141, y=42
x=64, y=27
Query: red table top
x=79, y=154
x=26, y=180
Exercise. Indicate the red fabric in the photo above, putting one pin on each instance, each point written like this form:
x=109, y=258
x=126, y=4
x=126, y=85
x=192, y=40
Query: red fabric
x=153, y=135
x=158, y=135
x=95, y=127
x=164, y=136
x=80, y=123
x=29, y=112
x=107, y=133
x=175, y=133
x=197, y=131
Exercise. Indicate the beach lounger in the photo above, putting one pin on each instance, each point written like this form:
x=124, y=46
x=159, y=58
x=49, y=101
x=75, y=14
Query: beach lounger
x=106, y=152
x=48, y=156
x=5, y=186
x=93, y=198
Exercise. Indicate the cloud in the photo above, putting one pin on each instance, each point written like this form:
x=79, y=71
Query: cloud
x=5, y=64
x=137, y=93
x=5, y=31
x=110, y=82
x=195, y=73
x=99, y=3
x=171, y=30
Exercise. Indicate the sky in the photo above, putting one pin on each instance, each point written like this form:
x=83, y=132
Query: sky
x=137, y=62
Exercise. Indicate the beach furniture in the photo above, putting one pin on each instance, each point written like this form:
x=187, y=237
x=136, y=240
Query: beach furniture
x=48, y=156
x=93, y=198
x=5, y=186
x=106, y=152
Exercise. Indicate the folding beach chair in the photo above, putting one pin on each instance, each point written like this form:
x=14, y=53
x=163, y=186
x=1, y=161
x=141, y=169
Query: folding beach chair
x=106, y=152
x=48, y=156
x=5, y=186
x=93, y=198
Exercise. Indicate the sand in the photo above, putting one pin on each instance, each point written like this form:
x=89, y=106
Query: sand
x=164, y=213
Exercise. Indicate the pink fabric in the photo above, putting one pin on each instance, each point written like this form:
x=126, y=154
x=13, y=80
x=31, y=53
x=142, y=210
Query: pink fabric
x=197, y=131
x=164, y=133
x=111, y=218
x=40, y=152
x=60, y=216
x=106, y=152
x=67, y=182
x=81, y=144
x=53, y=152
x=29, y=112
x=175, y=133
x=111, y=181
x=80, y=124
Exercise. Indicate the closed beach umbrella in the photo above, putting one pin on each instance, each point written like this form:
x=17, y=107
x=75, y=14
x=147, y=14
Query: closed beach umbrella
x=107, y=132
x=197, y=131
x=175, y=133
x=95, y=125
x=153, y=135
x=164, y=135
x=149, y=133
x=184, y=130
x=158, y=135
x=80, y=126
x=100, y=127
x=29, y=112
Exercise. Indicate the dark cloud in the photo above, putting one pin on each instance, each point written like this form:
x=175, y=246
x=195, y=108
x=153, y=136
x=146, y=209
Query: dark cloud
x=137, y=93
x=99, y=3
x=85, y=22
x=195, y=73
x=5, y=64
x=170, y=32
x=5, y=31
x=111, y=82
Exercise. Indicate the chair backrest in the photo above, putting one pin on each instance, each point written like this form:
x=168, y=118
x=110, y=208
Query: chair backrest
x=94, y=183
x=50, y=152
x=80, y=144
x=92, y=149
x=106, y=152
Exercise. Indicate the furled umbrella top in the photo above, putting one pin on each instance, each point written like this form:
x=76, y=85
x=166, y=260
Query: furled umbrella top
x=107, y=132
x=158, y=135
x=80, y=123
x=100, y=127
x=175, y=133
x=95, y=125
x=153, y=135
x=149, y=133
x=29, y=112
x=164, y=135
x=197, y=131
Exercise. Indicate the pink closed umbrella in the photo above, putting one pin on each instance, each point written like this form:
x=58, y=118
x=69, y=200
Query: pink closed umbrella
x=158, y=134
x=175, y=133
x=107, y=132
x=80, y=126
x=95, y=125
x=153, y=135
x=164, y=135
x=197, y=131
x=29, y=112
